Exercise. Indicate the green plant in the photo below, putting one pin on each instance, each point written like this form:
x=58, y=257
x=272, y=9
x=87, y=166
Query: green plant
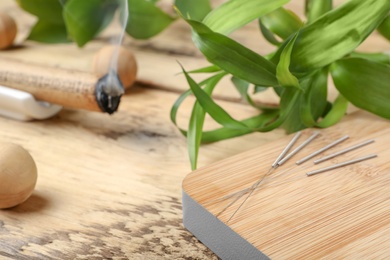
x=307, y=52
x=82, y=20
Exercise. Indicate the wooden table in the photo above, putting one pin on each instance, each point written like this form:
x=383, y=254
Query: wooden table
x=109, y=187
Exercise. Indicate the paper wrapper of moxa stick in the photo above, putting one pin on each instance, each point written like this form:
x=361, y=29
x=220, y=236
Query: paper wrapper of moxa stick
x=68, y=88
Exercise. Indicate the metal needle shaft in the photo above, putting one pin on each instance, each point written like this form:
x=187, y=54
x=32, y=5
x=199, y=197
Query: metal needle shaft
x=330, y=156
x=341, y=164
x=322, y=149
x=296, y=150
x=285, y=150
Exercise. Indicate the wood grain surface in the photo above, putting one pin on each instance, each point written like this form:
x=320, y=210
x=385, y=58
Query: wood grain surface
x=340, y=214
x=109, y=187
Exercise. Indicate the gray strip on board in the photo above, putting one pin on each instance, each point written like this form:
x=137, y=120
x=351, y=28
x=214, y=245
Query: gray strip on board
x=215, y=234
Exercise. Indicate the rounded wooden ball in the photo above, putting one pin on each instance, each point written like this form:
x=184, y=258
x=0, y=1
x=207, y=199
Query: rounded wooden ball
x=126, y=65
x=8, y=30
x=18, y=175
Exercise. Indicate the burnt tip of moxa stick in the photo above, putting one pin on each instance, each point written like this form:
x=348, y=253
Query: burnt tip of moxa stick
x=109, y=91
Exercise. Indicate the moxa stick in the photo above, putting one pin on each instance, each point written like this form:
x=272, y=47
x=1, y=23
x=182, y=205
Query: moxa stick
x=68, y=88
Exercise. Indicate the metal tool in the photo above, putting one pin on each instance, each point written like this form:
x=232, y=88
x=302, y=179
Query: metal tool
x=322, y=149
x=351, y=148
x=341, y=164
x=20, y=105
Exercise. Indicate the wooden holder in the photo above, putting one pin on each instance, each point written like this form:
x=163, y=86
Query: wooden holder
x=68, y=88
x=340, y=214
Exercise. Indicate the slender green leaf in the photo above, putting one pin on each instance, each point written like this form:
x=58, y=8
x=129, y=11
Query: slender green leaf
x=282, y=22
x=378, y=56
x=223, y=133
x=243, y=86
x=49, y=32
x=335, y=114
x=85, y=19
x=290, y=100
x=231, y=127
x=384, y=28
x=177, y=104
x=49, y=11
x=293, y=122
x=195, y=128
x=212, y=108
x=364, y=83
x=259, y=89
x=234, y=14
x=317, y=8
x=336, y=34
x=283, y=74
x=233, y=57
x=146, y=19
x=208, y=69
x=314, y=102
x=222, y=117
x=175, y=109
x=268, y=35
x=195, y=10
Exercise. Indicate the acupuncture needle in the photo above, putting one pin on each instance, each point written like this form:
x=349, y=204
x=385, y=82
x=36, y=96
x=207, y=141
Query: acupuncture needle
x=322, y=149
x=330, y=156
x=341, y=164
x=273, y=167
x=245, y=190
x=296, y=150
x=253, y=188
x=286, y=149
x=240, y=194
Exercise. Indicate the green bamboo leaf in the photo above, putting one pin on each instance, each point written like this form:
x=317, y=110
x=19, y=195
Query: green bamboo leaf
x=336, y=113
x=232, y=127
x=317, y=8
x=336, y=34
x=314, y=100
x=223, y=133
x=259, y=89
x=195, y=128
x=146, y=19
x=222, y=117
x=293, y=122
x=49, y=11
x=177, y=104
x=268, y=35
x=85, y=19
x=212, y=108
x=233, y=57
x=234, y=14
x=195, y=10
x=377, y=57
x=290, y=101
x=208, y=69
x=384, y=28
x=283, y=74
x=364, y=83
x=242, y=87
x=48, y=32
x=282, y=22
x=175, y=109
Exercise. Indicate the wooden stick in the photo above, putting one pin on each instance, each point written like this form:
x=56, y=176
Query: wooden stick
x=68, y=88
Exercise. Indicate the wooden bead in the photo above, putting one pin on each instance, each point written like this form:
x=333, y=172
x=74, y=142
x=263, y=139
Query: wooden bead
x=18, y=175
x=127, y=65
x=8, y=30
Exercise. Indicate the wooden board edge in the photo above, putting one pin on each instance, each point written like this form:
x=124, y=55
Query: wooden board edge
x=215, y=234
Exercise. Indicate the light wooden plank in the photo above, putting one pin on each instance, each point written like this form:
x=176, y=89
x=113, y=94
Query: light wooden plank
x=292, y=216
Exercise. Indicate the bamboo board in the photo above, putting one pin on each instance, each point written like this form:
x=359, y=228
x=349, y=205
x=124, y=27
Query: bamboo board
x=340, y=214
